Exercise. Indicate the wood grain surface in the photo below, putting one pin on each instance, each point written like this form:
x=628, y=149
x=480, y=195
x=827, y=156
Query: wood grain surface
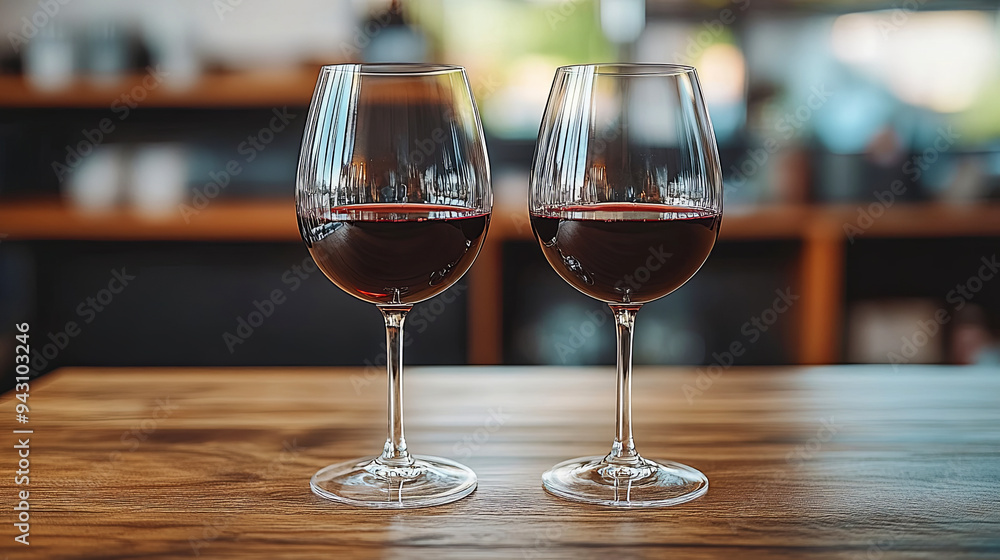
x=832, y=462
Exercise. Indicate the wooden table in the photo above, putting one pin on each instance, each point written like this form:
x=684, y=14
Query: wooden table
x=838, y=462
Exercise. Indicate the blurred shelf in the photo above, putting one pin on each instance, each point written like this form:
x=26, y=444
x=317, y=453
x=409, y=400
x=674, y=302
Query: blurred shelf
x=978, y=219
x=770, y=222
x=242, y=89
x=820, y=230
x=274, y=220
x=266, y=220
x=776, y=222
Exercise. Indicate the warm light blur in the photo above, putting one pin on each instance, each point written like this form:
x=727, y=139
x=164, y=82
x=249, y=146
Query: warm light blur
x=937, y=60
x=856, y=39
x=722, y=71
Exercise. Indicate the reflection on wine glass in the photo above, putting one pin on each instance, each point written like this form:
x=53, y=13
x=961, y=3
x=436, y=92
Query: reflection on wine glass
x=626, y=203
x=393, y=200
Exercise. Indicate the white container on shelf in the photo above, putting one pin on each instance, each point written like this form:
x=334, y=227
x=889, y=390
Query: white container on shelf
x=158, y=179
x=49, y=59
x=96, y=183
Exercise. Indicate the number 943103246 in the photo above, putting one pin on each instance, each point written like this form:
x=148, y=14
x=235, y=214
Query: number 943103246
x=23, y=372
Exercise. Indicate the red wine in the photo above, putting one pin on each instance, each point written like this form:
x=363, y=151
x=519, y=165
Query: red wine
x=626, y=253
x=398, y=253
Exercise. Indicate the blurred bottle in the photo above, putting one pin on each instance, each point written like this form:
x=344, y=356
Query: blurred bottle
x=622, y=21
x=49, y=59
x=108, y=52
x=173, y=48
x=971, y=341
x=894, y=331
x=391, y=39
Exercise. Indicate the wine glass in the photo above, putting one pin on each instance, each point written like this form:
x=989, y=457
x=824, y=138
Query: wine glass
x=626, y=203
x=393, y=200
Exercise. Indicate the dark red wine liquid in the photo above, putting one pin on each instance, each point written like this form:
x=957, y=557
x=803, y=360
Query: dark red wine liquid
x=626, y=253
x=398, y=253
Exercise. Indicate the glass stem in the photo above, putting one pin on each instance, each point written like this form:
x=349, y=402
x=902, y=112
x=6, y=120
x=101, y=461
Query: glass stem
x=623, y=450
x=394, y=454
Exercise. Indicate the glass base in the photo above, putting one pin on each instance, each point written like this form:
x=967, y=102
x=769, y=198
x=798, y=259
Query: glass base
x=428, y=481
x=645, y=483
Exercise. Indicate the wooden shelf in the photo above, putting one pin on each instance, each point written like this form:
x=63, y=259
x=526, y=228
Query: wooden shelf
x=265, y=220
x=245, y=89
x=820, y=229
x=274, y=220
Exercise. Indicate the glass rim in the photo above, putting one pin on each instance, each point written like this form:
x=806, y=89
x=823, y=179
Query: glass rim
x=394, y=68
x=630, y=69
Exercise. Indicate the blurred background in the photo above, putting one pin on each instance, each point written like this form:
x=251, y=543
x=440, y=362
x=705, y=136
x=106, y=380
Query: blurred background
x=148, y=150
